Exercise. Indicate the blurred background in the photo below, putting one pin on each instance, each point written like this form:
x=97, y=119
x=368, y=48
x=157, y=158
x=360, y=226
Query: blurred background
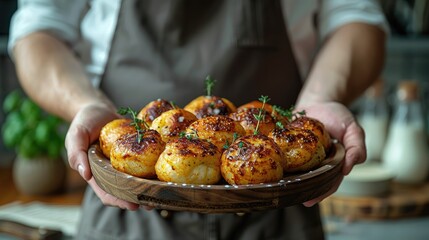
x=364, y=207
x=8, y=80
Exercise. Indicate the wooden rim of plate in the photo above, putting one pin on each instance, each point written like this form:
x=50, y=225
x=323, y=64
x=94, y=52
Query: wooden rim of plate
x=220, y=198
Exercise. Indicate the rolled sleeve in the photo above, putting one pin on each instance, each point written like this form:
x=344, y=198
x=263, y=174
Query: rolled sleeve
x=59, y=17
x=336, y=13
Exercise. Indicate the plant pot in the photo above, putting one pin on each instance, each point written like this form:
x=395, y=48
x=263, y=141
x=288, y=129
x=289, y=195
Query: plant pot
x=39, y=176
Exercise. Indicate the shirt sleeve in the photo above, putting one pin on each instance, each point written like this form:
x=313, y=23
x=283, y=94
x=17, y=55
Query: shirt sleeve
x=335, y=13
x=59, y=17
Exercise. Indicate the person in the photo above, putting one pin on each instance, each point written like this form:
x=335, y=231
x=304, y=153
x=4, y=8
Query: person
x=81, y=60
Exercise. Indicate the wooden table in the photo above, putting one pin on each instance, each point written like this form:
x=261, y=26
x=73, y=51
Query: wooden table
x=71, y=195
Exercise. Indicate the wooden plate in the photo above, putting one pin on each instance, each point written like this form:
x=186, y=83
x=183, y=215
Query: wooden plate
x=221, y=198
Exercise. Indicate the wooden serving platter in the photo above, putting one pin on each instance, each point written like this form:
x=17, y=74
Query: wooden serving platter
x=220, y=198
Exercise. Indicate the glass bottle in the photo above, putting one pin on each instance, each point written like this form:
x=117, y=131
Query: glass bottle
x=373, y=116
x=406, y=152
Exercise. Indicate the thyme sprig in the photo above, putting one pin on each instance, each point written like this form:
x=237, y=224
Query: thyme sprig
x=280, y=125
x=136, y=122
x=261, y=115
x=173, y=104
x=210, y=82
x=227, y=144
x=192, y=135
x=288, y=113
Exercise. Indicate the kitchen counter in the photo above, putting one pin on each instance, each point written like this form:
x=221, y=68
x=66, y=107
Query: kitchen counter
x=401, y=214
x=415, y=228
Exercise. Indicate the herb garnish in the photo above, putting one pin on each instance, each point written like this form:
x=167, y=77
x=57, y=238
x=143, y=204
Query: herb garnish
x=173, y=104
x=193, y=134
x=288, y=113
x=234, y=137
x=261, y=115
x=210, y=82
x=136, y=122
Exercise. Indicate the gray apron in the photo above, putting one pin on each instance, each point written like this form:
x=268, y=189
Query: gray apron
x=165, y=49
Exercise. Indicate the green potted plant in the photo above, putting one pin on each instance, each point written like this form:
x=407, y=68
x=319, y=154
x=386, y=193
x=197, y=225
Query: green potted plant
x=38, y=141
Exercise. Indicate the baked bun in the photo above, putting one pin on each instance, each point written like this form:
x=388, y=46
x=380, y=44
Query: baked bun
x=153, y=109
x=191, y=161
x=137, y=157
x=252, y=159
x=219, y=130
x=246, y=117
x=272, y=110
x=316, y=127
x=172, y=122
x=301, y=148
x=204, y=106
x=112, y=131
x=256, y=104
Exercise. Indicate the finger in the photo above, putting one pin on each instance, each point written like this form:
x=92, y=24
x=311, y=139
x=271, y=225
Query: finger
x=312, y=202
x=354, y=143
x=110, y=200
x=147, y=208
x=77, y=146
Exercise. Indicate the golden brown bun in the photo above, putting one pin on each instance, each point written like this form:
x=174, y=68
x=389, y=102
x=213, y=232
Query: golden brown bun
x=204, y=106
x=270, y=109
x=257, y=104
x=153, y=109
x=137, y=159
x=112, y=131
x=172, y=122
x=252, y=159
x=246, y=117
x=301, y=148
x=191, y=161
x=316, y=126
x=219, y=130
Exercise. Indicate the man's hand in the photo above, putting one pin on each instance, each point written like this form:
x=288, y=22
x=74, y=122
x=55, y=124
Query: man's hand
x=342, y=125
x=84, y=130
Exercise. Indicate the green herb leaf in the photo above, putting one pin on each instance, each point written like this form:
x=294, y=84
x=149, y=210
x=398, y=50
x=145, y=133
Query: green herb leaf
x=210, y=82
x=192, y=135
x=280, y=125
x=182, y=134
x=261, y=115
x=302, y=113
x=234, y=136
x=136, y=122
x=264, y=99
x=173, y=104
x=226, y=145
x=288, y=113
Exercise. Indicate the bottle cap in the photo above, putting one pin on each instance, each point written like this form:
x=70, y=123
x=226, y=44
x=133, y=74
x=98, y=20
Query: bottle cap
x=408, y=90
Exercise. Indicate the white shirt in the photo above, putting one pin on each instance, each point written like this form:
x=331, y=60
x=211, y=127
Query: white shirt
x=89, y=25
